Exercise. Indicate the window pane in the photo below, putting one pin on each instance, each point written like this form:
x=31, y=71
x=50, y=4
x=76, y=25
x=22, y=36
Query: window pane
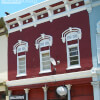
x=74, y=58
x=46, y=67
x=23, y=48
x=21, y=61
x=42, y=44
x=47, y=43
x=74, y=53
x=21, y=71
x=45, y=58
x=74, y=63
x=46, y=61
x=45, y=54
x=21, y=65
x=73, y=49
x=19, y=49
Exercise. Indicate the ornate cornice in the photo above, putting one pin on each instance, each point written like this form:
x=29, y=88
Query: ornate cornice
x=46, y=7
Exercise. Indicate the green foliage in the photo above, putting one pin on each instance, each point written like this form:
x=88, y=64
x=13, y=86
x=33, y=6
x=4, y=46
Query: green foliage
x=3, y=26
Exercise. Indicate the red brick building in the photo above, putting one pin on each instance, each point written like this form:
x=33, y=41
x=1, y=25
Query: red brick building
x=49, y=46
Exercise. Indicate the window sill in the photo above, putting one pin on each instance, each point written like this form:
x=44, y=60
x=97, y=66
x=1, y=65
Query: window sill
x=73, y=67
x=21, y=75
x=42, y=72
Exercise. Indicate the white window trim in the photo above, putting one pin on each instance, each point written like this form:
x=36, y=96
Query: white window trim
x=21, y=47
x=47, y=71
x=21, y=44
x=24, y=74
x=43, y=38
x=98, y=47
x=75, y=34
x=98, y=57
x=41, y=67
x=98, y=27
x=21, y=75
x=68, y=60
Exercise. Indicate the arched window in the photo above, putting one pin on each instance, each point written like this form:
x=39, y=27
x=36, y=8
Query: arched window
x=71, y=36
x=43, y=43
x=21, y=48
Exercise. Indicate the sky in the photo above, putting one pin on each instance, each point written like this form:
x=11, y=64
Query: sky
x=12, y=6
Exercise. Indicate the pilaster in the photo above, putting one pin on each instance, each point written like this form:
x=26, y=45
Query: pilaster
x=69, y=88
x=45, y=88
x=26, y=92
x=96, y=90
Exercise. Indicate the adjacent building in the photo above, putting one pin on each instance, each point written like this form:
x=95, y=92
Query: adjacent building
x=3, y=60
x=94, y=17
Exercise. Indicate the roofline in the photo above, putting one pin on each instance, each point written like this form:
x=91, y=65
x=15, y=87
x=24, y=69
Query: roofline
x=33, y=8
x=88, y=5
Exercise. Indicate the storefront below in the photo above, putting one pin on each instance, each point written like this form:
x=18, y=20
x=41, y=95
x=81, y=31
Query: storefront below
x=2, y=91
x=76, y=90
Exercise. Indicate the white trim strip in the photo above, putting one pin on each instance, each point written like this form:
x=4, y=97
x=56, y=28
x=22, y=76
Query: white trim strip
x=51, y=78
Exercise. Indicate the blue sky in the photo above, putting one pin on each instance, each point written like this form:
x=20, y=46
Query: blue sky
x=12, y=6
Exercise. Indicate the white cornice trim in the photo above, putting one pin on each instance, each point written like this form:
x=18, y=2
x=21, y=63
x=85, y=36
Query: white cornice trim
x=51, y=78
x=41, y=5
x=88, y=6
x=62, y=14
x=34, y=7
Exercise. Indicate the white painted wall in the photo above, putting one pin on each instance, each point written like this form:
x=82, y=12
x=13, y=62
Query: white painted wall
x=3, y=58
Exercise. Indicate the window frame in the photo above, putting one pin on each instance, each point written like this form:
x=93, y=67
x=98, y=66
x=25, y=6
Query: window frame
x=69, y=66
x=98, y=47
x=41, y=65
x=18, y=74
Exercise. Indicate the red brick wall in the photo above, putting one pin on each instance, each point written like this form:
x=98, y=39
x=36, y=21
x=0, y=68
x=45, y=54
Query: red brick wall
x=18, y=92
x=82, y=92
x=58, y=50
x=36, y=94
